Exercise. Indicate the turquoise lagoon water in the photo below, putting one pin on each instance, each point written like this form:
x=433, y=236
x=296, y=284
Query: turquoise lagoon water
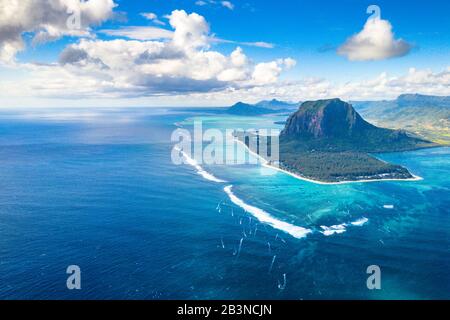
x=98, y=189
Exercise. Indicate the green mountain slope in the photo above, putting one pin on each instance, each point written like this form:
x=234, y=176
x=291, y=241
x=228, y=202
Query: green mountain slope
x=278, y=105
x=426, y=116
x=244, y=109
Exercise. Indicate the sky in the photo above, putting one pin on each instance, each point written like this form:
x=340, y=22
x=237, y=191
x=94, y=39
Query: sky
x=73, y=53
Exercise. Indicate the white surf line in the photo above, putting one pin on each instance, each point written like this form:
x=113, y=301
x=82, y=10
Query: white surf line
x=328, y=231
x=282, y=286
x=359, y=222
x=271, y=264
x=200, y=170
x=265, y=217
x=341, y=228
x=266, y=164
x=414, y=178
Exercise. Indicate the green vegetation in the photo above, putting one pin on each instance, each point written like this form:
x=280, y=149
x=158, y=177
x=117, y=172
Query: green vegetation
x=244, y=109
x=337, y=160
x=340, y=166
x=425, y=116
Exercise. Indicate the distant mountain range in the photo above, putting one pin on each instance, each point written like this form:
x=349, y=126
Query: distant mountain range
x=427, y=116
x=262, y=107
x=327, y=140
x=420, y=99
x=275, y=104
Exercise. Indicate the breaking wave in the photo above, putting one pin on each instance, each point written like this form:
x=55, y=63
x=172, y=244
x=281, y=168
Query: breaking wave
x=265, y=217
x=200, y=170
x=341, y=228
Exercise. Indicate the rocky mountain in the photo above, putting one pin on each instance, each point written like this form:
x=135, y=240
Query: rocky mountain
x=327, y=140
x=325, y=118
x=335, y=125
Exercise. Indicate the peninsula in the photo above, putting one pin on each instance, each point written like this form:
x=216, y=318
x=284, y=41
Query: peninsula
x=328, y=141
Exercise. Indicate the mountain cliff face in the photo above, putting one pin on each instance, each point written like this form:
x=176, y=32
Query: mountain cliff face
x=326, y=118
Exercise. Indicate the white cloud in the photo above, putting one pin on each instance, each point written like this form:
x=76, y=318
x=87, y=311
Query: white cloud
x=289, y=63
x=383, y=86
x=47, y=20
x=238, y=58
x=139, y=33
x=50, y=81
x=191, y=30
x=259, y=44
x=227, y=4
x=170, y=63
x=374, y=42
x=149, y=15
x=152, y=17
x=178, y=66
x=268, y=72
x=155, y=33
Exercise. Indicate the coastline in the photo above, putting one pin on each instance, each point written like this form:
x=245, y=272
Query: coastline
x=266, y=164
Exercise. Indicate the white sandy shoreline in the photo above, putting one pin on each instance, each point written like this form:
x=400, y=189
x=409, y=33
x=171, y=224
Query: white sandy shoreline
x=266, y=164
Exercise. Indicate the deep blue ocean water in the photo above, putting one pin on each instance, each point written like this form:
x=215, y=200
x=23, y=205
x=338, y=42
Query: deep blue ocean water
x=98, y=189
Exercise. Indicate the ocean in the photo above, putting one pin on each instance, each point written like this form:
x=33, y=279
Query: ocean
x=97, y=188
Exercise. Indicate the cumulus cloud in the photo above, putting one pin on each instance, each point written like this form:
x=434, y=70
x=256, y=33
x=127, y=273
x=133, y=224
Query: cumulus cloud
x=268, y=72
x=181, y=63
x=191, y=30
x=375, y=41
x=383, y=86
x=47, y=20
x=87, y=82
